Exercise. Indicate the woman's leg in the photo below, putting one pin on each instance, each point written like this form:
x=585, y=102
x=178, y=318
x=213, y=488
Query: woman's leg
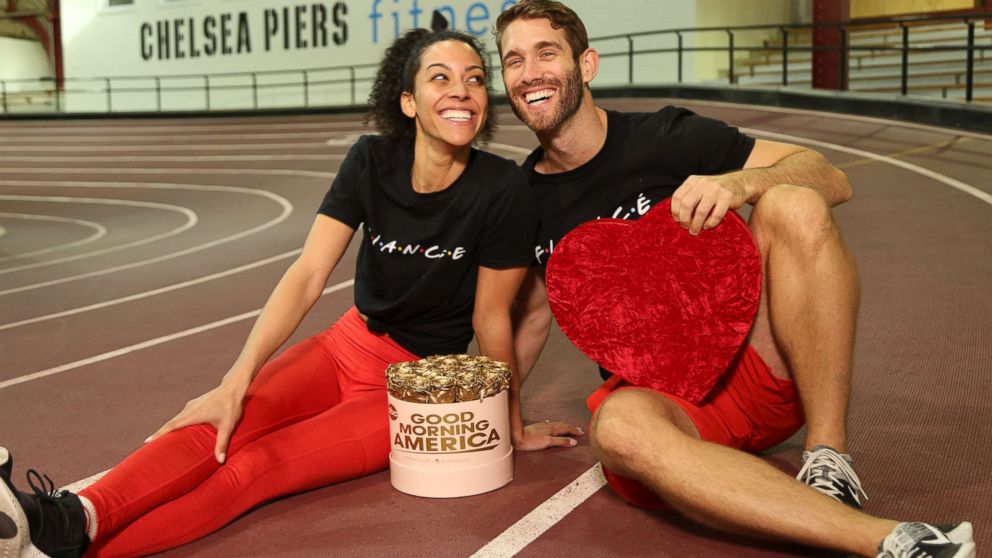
x=297, y=385
x=345, y=442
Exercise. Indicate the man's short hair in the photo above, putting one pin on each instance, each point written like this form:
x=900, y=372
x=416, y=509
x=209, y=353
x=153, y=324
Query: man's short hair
x=560, y=16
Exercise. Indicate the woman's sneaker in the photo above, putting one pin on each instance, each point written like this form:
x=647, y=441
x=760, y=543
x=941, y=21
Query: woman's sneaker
x=14, y=533
x=48, y=522
x=912, y=540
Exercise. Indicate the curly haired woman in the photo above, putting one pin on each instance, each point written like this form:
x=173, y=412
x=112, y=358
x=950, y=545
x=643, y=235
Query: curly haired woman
x=448, y=233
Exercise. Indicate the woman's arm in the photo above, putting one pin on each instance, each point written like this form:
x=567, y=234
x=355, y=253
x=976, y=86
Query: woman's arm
x=494, y=296
x=292, y=298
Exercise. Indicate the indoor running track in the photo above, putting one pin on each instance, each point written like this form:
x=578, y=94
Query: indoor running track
x=134, y=255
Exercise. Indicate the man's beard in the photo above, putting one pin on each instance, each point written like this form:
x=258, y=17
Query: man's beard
x=569, y=100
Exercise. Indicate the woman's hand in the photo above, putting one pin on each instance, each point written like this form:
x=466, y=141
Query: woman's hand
x=547, y=434
x=220, y=407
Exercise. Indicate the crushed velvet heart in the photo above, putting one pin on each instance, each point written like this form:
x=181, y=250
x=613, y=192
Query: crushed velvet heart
x=654, y=304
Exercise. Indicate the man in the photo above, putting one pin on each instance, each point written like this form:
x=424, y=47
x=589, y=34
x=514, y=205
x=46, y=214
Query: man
x=656, y=448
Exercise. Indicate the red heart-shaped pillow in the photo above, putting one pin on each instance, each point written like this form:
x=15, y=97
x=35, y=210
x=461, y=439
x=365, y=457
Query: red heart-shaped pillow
x=654, y=304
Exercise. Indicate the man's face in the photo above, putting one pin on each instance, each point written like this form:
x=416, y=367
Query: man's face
x=543, y=81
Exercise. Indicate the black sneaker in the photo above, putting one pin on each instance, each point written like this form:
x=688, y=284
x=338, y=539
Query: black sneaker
x=54, y=520
x=14, y=532
x=830, y=472
x=921, y=540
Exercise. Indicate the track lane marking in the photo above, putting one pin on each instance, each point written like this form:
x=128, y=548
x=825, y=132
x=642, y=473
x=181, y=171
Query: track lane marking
x=972, y=191
x=184, y=128
x=100, y=232
x=177, y=158
x=161, y=170
x=62, y=368
x=187, y=146
x=191, y=220
x=153, y=292
x=287, y=210
x=531, y=526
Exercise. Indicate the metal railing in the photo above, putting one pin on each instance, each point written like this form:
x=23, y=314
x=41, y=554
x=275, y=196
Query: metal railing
x=843, y=30
x=303, y=79
x=161, y=86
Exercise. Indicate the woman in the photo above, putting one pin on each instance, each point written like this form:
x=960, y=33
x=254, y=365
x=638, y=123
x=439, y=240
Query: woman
x=448, y=232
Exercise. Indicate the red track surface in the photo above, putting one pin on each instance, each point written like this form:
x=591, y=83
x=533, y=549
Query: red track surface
x=919, y=414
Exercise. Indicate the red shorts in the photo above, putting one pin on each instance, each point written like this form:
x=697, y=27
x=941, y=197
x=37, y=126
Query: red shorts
x=749, y=409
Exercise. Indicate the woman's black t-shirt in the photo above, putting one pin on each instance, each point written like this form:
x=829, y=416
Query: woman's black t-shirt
x=645, y=158
x=420, y=253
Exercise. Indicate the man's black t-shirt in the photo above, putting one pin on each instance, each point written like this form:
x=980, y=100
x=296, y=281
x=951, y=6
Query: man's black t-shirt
x=420, y=255
x=645, y=158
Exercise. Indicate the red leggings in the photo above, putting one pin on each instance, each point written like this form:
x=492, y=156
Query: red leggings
x=314, y=416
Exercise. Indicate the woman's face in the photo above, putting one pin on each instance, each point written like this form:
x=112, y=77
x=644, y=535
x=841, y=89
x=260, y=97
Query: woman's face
x=449, y=101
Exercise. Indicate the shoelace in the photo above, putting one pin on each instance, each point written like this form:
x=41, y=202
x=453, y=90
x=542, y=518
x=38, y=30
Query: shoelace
x=824, y=467
x=44, y=489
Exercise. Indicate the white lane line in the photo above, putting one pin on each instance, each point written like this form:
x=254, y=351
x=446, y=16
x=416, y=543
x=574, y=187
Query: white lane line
x=191, y=219
x=287, y=209
x=942, y=178
x=543, y=517
x=185, y=128
x=145, y=138
x=146, y=294
x=510, y=148
x=99, y=232
x=148, y=343
x=168, y=288
x=151, y=170
x=841, y=116
x=177, y=158
x=347, y=139
x=240, y=147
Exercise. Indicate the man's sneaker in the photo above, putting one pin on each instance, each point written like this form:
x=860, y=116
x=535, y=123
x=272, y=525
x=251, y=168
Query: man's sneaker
x=14, y=532
x=6, y=464
x=830, y=472
x=49, y=522
x=921, y=540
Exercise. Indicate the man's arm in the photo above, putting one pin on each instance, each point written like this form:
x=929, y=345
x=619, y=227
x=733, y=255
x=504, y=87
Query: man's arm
x=531, y=321
x=772, y=163
x=701, y=202
x=493, y=330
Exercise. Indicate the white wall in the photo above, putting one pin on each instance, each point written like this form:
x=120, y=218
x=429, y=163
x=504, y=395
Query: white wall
x=712, y=13
x=182, y=37
x=22, y=59
x=614, y=17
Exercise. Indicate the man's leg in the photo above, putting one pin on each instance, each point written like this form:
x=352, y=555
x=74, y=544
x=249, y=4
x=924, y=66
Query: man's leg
x=644, y=435
x=806, y=321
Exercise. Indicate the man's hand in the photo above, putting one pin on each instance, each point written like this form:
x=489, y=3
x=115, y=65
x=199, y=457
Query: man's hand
x=220, y=407
x=547, y=434
x=701, y=202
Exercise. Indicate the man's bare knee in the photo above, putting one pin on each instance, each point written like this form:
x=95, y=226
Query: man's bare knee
x=793, y=215
x=631, y=424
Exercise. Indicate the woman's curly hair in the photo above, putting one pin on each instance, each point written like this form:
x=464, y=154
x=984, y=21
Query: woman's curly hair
x=397, y=74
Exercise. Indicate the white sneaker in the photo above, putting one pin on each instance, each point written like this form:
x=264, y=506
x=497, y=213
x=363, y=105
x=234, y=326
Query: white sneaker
x=922, y=540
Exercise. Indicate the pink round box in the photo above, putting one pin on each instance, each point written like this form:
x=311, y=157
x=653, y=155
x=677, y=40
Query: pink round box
x=448, y=450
